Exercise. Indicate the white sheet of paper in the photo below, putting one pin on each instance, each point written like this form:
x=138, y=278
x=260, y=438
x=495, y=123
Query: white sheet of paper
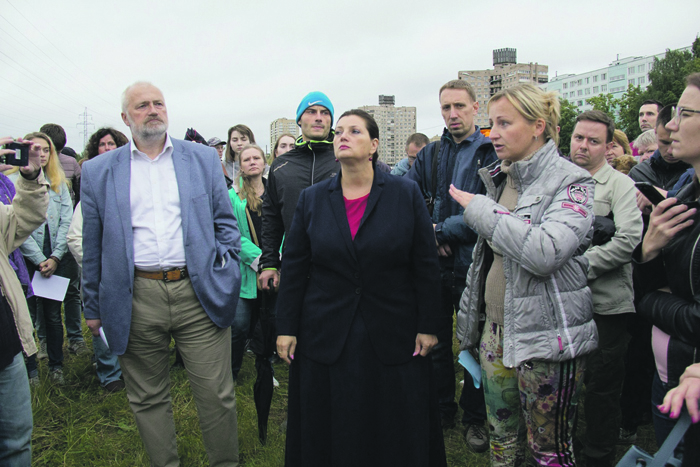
x=53, y=288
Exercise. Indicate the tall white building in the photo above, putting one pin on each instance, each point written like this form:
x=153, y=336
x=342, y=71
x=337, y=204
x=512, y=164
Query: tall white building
x=612, y=79
x=280, y=127
x=396, y=124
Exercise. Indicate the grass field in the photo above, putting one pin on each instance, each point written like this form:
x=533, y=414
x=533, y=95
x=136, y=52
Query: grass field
x=78, y=424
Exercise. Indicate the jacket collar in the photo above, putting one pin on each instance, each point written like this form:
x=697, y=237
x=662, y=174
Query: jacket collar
x=338, y=205
x=603, y=174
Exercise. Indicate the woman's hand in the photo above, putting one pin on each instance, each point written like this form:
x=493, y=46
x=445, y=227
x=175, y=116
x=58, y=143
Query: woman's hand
x=285, y=348
x=424, y=344
x=687, y=391
x=48, y=267
x=462, y=197
x=666, y=220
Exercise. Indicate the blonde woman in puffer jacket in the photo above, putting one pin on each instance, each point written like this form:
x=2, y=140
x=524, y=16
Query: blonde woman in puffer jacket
x=529, y=275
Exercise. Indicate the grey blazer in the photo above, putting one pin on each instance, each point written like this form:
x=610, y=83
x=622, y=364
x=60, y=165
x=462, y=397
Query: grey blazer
x=210, y=234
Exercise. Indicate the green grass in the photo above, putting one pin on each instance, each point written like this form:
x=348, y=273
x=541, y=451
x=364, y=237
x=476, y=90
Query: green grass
x=78, y=424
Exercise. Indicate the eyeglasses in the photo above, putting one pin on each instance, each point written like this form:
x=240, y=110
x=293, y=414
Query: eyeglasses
x=677, y=113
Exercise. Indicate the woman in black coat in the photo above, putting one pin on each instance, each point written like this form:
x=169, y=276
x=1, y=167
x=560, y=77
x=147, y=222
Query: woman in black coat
x=356, y=315
x=671, y=300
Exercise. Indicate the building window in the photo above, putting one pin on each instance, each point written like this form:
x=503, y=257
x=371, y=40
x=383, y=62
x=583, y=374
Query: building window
x=579, y=82
x=641, y=80
x=603, y=76
x=630, y=70
x=595, y=89
x=566, y=85
x=617, y=78
x=640, y=68
x=604, y=88
x=588, y=80
x=595, y=79
x=630, y=81
x=579, y=103
x=580, y=92
x=588, y=91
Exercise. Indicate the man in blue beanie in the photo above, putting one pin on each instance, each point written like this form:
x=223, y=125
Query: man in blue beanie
x=311, y=161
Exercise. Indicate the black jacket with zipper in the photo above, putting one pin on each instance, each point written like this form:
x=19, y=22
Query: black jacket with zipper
x=308, y=163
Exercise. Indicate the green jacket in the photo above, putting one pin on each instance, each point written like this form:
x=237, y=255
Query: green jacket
x=249, y=250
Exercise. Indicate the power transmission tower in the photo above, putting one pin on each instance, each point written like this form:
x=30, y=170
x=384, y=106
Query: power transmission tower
x=85, y=123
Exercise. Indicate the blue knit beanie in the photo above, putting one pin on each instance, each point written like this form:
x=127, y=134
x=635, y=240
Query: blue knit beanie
x=314, y=98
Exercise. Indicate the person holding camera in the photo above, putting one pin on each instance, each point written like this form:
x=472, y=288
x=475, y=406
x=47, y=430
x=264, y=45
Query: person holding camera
x=17, y=221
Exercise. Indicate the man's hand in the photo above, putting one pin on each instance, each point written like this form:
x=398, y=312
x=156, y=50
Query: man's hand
x=264, y=279
x=286, y=345
x=643, y=202
x=424, y=344
x=94, y=325
x=48, y=267
x=444, y=250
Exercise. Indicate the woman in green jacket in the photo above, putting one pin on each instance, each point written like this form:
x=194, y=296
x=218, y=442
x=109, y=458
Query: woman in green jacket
x=247, y=207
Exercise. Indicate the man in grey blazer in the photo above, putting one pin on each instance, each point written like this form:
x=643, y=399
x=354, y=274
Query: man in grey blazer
x=161, y=251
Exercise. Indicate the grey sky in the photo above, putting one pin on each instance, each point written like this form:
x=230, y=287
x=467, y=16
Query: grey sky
x=220, y=63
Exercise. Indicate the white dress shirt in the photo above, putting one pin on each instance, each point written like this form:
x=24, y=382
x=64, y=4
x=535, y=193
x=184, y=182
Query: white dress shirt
x=156, y=218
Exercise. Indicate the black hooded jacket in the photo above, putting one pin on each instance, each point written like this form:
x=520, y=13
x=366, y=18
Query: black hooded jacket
x=308, y=163
x=658, y=172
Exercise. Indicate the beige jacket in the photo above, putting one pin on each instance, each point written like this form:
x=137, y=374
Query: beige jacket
x=17, y=221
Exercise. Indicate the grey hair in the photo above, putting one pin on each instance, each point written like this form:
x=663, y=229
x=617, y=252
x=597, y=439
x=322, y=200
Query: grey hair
x=645, y=140
x=125, y=94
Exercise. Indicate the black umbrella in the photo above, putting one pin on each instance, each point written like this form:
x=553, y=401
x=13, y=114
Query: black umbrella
x=263, y=346
x=192, y=135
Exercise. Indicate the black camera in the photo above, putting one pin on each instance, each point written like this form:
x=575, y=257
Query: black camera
x=21, y=155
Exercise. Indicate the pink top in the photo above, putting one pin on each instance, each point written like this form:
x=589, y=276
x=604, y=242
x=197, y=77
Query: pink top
x=659, y=344
x=355, y=209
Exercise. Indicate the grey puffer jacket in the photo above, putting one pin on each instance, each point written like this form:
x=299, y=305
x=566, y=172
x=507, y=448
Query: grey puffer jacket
x=548, y=307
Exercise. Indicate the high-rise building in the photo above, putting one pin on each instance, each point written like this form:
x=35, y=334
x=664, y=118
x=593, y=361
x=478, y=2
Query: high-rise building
x=396, y=124
x=506, y=73
x=280, y=127
x=613, y=79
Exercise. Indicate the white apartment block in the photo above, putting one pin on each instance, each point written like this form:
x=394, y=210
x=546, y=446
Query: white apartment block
x=506, y=73
x=396, y=124
x=280, y=127
x=613, y=79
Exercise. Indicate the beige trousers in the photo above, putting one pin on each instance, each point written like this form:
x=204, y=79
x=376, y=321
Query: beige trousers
x=161, y=310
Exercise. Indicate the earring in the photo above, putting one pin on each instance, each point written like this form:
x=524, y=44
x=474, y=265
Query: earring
x=370, y=157
x=336, y=160
x=535, y=137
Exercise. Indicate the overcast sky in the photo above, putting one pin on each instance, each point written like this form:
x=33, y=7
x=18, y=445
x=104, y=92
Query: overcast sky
x=220, y=63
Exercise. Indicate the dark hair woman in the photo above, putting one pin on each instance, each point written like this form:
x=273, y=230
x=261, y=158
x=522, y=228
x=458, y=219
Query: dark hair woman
x=356, y=316
x=238, y=137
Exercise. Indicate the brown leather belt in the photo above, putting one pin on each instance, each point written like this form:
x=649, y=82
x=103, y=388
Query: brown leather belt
x=167, y=275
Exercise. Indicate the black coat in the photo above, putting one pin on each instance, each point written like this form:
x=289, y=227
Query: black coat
x=658, y=172
x=389, y=273
x=678, y=313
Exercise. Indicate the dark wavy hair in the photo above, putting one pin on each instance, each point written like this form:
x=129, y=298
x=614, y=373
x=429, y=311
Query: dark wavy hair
x=243, y=130
x=93, y=146
x=372, y=128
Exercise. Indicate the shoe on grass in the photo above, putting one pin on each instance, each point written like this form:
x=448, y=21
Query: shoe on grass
x=114, y=386
x=56, y=376
x=78, y=348
x=43, y=354
x=477, y=438
x=34, y=381
x=627, y=437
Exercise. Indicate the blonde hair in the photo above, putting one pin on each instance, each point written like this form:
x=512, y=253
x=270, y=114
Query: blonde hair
x=620, y=138
x=247, y=192
x=533, y=103
x=53, y=170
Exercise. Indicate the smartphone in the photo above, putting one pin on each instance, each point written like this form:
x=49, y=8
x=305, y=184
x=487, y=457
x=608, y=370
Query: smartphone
x=21, y=155
x=648, y=190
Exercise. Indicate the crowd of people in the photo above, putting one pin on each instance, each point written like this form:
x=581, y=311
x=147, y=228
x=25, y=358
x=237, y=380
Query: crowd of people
x=564, y=272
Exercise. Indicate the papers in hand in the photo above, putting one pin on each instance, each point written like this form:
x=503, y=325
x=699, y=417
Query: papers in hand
x=472, y=366
x=53, y=288
x=102, y=335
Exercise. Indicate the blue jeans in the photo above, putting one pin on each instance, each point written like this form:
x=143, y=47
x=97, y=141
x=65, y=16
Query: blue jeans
x=240, y=330
x=15, y=415
x=108, y=369
x=72, y=306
